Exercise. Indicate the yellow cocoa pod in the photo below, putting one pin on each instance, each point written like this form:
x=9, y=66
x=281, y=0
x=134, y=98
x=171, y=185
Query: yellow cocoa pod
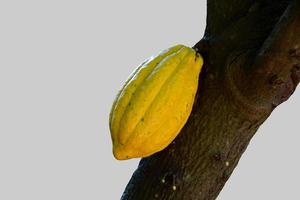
x=155, y=103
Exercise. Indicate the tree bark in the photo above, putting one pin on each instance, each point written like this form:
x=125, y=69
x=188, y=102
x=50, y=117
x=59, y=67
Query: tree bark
x=251, y=50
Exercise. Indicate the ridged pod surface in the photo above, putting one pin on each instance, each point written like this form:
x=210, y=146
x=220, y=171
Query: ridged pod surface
x=154, y=103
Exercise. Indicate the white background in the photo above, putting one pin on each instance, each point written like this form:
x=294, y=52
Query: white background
x=61, y=64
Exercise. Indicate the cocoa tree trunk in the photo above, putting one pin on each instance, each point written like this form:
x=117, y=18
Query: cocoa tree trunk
x=251, y=50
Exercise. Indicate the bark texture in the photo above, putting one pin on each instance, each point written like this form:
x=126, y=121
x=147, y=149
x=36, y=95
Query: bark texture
x=251, y=50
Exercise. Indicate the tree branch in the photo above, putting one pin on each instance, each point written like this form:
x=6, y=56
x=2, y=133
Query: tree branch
x=250, y=67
